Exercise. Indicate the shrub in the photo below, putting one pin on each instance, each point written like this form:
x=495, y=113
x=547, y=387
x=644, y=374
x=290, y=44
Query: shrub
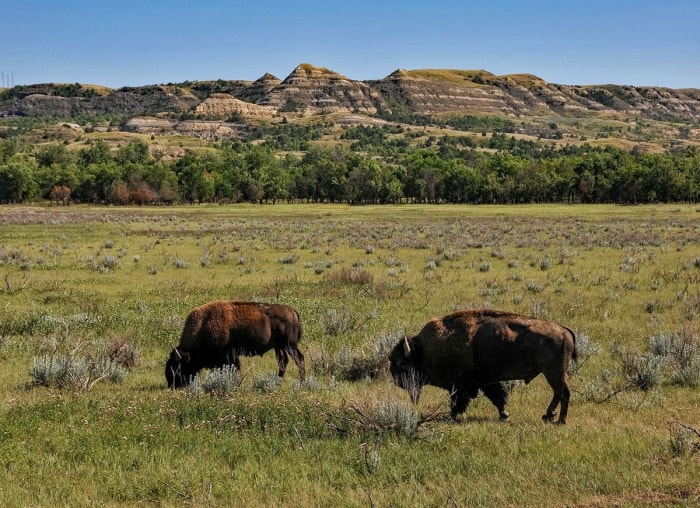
x=312, y=384
x=372, y=460
x=289, y=260
x=383, y=416
x=109, y=369
x=339, y=322
x=684, y=440
x=686, y=376
x=350, y=276
x=195, y=386
x=545, y=263
x=585, y=349
x=267, y=383
x=398, y=417
x=110, y=262
x=122, y=353
x=49, y=370
x=498, y=252
x=353, y=366
x=433, y=263
x=73, y=372
x=221, y=381
x=534, y=286
x=680, y=352
x=643, y=371
x=378, y=417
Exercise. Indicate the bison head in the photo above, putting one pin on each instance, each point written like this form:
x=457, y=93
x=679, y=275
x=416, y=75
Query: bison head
x=404, y=368
x=178, y=371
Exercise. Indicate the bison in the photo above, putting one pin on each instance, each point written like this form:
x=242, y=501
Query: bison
x=471, y=350
x=217, y=333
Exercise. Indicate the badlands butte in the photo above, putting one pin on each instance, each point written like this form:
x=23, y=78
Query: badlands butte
x=222, y=108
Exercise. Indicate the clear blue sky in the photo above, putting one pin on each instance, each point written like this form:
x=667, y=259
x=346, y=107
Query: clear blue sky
x=140, y=42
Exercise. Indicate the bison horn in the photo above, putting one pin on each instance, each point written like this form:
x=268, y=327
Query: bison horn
x=179, y=356
x=406, y=347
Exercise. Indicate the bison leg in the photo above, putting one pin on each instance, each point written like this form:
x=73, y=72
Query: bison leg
x=298, y=358
x=231, y=358
x=562, y=394
x=459, y=400
x=498, y=396
x=565, y=396
x=282, y=360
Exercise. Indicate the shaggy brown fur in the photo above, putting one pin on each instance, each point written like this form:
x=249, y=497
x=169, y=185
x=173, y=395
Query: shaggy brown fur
x=470, y=350
x=217, y=333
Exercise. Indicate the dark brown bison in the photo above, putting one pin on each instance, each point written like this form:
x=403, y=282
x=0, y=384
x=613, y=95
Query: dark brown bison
x=473, y=350
x=217, y=333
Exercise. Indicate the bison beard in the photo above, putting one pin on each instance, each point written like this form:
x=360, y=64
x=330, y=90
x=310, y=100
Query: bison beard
x=217, y=333
x=473, y=350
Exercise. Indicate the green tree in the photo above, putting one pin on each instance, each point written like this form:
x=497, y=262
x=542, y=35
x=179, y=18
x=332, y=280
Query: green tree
x=98, y=152
x=8, y=148
x=135, y=152
x=68, y=174
x=462, y=183
x=195, y=181
x=276, y=182
x=55, y=154
x=330, y=172
x=17, y=182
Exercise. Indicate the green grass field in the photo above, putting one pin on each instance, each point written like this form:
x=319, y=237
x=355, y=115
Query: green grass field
x=80, y=282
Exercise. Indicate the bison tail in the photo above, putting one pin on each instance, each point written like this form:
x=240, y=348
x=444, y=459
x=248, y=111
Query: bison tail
x=574, y=355
x=299, y=327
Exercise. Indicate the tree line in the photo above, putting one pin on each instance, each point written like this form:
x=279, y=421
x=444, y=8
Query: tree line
x=372, y=165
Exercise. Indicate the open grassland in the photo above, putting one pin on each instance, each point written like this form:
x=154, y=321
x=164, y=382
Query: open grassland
x=82, y=283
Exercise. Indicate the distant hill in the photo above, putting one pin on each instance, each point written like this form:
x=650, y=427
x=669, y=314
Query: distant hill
x=309, y=90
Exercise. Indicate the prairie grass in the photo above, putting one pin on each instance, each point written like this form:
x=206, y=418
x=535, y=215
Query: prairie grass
x=120, y=281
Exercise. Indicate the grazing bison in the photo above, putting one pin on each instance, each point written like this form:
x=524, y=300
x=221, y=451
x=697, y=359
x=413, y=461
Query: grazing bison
x=217, y=333
x=470, y=350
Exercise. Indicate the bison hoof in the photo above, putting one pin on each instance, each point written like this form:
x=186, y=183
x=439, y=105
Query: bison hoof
x=504, y=417
x=548, y=418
